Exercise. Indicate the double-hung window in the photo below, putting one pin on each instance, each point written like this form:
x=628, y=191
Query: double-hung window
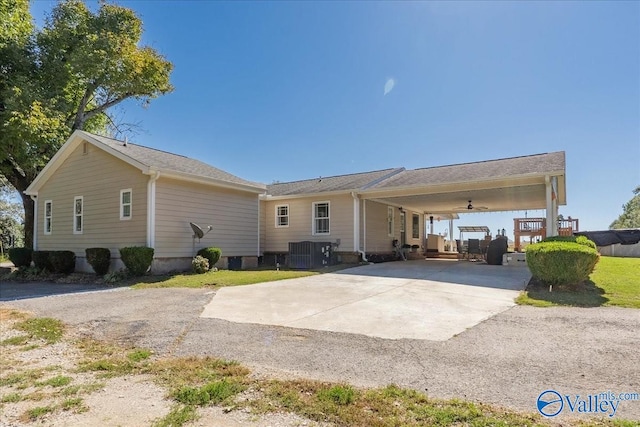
x=48, y=216
x=125, y=204
x=78, y=212
x=321, y=218
x=282, y=216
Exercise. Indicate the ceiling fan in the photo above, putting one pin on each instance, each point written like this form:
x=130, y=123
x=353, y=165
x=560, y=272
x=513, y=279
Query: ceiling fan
x=471, y=207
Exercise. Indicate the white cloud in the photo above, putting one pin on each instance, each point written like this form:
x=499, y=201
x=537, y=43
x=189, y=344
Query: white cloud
x=388, y=86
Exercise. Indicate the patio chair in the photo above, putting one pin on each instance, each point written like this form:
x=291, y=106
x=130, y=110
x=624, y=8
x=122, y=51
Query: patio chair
x=474, y=249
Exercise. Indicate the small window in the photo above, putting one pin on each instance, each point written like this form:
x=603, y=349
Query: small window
x=321, y=218
x=390, y=221
x=125, y=204
x=282, y=216
x=416, y=226
x=78, y=214
x=85, y=148
x=402, y=220
x=48, y=216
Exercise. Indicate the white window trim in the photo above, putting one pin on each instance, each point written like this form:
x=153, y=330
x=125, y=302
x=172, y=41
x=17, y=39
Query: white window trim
x=44, y=223
x=313, y=218
x=75, y=199
x=390, y=216
x=122, y=205
x=278, y=216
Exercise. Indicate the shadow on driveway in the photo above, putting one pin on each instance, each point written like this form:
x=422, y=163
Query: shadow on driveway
x=449, y=271
x=12, y=291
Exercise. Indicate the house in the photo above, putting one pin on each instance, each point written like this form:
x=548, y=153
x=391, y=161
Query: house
x=362, y=214
x=101, y=192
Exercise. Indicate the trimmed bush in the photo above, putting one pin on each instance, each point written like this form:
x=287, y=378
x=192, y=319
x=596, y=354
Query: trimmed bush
x=211, y=254
x=62, y=261
x=581, y=240
x=99, y=259
x=200, y=265
x=41, y=260
x=137, y=259
x=561, y=263
x=20, y=257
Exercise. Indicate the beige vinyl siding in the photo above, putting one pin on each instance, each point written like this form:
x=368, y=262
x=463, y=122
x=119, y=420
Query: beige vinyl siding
x=301, y=219
x=263, y=223
x=233, y=215
x=378, y=239
x=98, y=177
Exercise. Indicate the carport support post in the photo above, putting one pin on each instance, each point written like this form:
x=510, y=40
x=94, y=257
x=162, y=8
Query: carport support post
x=552, y=206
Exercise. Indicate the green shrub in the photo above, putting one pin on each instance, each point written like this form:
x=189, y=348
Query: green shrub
x=20, y=257
x=212, y=254
x=581, y=240
x=561, y=263
x=62, y=261
x=137, y=259
x=99, y=259
x=41, y=260
x=200, y=265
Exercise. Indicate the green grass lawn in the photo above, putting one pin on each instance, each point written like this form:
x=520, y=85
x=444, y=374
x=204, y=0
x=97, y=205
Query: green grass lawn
x=218, y=278
x=614, y=282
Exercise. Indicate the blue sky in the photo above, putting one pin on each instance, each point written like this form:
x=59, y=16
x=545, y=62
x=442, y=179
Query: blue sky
x=293, y=90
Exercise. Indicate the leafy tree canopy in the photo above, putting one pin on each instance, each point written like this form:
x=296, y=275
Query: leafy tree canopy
x=66, y=76
x=630, y=217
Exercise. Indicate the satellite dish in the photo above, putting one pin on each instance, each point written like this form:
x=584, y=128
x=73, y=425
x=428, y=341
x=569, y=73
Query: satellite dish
x=197, y=231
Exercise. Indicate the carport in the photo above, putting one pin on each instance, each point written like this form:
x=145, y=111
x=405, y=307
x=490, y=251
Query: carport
x=518, y=183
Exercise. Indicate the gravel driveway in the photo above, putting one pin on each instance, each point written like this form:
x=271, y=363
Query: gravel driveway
x=506, y=360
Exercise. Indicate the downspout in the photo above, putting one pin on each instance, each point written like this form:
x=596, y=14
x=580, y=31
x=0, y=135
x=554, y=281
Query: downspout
x=259, y=221
x=356, y=226
x=364, y=225
x=35, y=222
x=151, y=209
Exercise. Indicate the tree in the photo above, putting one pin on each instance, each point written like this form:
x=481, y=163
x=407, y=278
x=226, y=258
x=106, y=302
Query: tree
x=11, y=218
x=630, y=217
x=66, y=76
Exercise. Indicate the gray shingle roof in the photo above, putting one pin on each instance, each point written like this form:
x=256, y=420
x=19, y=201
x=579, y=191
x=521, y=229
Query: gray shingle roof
x=491, y=169
x=351, y=182
x=399, y=177
x=166, y=161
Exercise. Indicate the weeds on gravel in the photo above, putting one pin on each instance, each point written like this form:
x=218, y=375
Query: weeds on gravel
x=110, y=361
x=179, y=415
x=34, y=413
x=11, y=398
x=44, y=328
x=391, y=405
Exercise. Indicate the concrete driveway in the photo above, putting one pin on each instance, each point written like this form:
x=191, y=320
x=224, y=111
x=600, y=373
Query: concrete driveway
x=425, y=299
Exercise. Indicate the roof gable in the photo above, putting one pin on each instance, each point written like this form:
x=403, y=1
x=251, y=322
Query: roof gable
x=148, y=161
